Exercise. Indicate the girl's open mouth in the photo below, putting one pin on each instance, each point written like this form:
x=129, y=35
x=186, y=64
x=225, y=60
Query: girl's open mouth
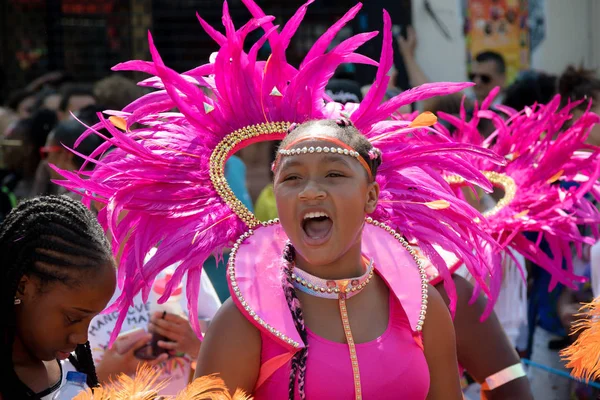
x=317, y=227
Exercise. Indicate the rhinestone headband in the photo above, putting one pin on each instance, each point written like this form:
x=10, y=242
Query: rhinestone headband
x=319, y=149
x=339, y=148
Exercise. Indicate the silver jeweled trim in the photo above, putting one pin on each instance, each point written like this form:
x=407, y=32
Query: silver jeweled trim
x=422, y=272
x=238, y=293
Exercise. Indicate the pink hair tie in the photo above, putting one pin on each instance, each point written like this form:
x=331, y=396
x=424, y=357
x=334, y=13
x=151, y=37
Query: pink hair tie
x=292, y=126
x=374, y=153
x=343, y=122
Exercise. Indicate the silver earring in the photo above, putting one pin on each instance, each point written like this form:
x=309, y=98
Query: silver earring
x=17, y=301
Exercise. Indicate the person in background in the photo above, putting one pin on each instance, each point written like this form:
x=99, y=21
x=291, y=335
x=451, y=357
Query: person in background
x=235, y=173
x=180, y=344
x=22, y=157
x=74, y=99
x=576, y=84
x=580, y=84
x=115, y=92
x=48, y=99
x=265, y=208
x=43, y=184
x=57, y=274
x=57, y=152
x=22, y=102
x=487, y=71
x=530, y=87
x=408, y=47
x=416, y=76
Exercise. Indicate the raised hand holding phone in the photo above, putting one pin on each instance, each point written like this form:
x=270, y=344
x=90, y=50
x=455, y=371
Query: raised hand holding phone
x=171, y=331
x=114, y=363
x=407, y=43
x=179, y=338
x=127, y=340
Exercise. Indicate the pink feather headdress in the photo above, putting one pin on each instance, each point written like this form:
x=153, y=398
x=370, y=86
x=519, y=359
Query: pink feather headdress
x=548, y=179
x=168, y=173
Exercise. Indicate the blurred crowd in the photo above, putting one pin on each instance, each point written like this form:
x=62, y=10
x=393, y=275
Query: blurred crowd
x=40, y=123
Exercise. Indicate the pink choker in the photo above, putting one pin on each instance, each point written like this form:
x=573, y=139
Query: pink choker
x=329, y=288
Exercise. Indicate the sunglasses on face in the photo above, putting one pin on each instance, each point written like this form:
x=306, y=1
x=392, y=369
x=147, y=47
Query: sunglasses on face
x=484, y=78
x=44, y=151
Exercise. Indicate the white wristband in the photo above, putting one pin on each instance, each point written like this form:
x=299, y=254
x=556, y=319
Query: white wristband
x=503, y=377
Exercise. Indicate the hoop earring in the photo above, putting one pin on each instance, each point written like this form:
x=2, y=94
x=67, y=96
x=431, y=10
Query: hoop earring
x=17, y=301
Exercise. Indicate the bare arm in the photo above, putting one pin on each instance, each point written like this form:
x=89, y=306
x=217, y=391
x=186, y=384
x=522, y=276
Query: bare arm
x=231, y=349
x=484, y=358
x=440, y=350
x=408, y=46
x=416, y=75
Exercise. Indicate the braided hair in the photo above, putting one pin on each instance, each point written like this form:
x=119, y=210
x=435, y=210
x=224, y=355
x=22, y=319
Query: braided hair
x=298, y=371
x=49, y=237
x=347, y=133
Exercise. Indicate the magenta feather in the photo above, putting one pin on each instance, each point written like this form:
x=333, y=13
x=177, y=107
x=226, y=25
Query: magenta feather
x=322, y=44
x=541, y=150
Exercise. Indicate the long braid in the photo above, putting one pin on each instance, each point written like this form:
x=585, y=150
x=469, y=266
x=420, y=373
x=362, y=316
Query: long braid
x=298, y=370
x=84, y=362
x=55, y=239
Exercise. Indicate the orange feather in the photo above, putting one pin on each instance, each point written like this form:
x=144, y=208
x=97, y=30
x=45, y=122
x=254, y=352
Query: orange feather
x=145, y=386
x=424, y=119
x=583, y=355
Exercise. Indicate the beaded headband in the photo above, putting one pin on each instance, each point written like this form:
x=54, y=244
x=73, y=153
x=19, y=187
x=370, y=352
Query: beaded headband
x=341, y=148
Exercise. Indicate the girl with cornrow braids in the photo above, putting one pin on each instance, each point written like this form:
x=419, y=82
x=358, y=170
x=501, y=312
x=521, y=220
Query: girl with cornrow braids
x=57, y=274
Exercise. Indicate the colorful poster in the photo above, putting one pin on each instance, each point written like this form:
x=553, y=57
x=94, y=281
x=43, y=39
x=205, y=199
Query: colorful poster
x=500, y=26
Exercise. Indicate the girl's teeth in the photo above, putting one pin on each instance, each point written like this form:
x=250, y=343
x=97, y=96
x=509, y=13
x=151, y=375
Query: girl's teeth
x=315, y=215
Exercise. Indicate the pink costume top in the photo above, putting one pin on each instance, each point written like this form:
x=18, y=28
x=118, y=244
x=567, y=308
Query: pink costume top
x=393, y=366
x=393, y=363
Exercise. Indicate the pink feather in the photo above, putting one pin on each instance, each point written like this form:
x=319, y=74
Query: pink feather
x=540, y=152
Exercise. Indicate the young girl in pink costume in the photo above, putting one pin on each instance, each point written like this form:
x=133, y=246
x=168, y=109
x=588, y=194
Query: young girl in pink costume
x=331, y=301
x=375, y=352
